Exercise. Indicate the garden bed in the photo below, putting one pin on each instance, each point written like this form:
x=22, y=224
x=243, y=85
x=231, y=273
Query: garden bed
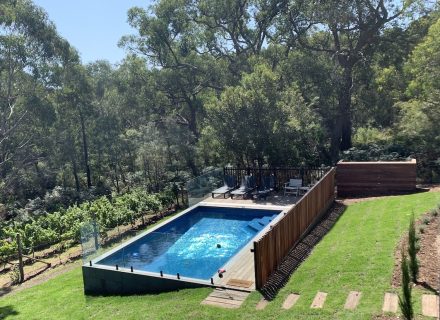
x=427, y=228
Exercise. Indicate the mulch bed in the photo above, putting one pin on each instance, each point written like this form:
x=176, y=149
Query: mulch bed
x=428, y=255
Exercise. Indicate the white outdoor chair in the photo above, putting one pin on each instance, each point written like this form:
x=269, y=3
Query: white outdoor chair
x=293, y=187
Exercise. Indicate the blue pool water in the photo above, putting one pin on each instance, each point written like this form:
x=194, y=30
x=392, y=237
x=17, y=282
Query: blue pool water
x=194, y=245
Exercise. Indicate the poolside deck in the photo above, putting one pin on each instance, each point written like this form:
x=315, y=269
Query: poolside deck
x=275, y=200
x=241, y=267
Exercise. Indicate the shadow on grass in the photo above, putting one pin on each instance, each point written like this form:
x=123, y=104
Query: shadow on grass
x=7, y=311
x=301, y=251
x=4, y=290
x=426, y=286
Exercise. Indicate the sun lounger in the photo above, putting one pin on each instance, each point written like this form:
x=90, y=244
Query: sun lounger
x=230, y=184
x=248, y=185
x=267, y=186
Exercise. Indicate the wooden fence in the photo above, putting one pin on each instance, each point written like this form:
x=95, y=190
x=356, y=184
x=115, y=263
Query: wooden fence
x=308, y=175
x=375, y=178
x=271, y=249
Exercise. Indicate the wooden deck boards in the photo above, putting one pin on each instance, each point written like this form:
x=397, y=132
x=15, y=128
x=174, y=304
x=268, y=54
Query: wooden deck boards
x=276, y=200
x=240, y=267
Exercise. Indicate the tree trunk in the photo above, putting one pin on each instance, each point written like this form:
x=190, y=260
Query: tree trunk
x=85, y=148
x=75, y=175
x=345, y=108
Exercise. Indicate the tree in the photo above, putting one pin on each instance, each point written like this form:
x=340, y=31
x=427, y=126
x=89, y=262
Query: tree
x=29, y=49
x=261, y=120
x=417, y=127
x=345, y=30
x=75, y=106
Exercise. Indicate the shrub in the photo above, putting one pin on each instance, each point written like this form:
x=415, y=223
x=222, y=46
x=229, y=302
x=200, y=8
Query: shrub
x=422, y=229
x=405, y=300
x=426, y=221
x=412, y=250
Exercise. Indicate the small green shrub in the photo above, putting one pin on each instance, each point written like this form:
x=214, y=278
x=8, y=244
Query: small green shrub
x=405, y=300
x=426, y=221
x=412, y=250
x=417, y=237
x=417, y=247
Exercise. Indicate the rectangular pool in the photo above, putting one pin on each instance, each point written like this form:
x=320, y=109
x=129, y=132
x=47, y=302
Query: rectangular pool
x=194, y=245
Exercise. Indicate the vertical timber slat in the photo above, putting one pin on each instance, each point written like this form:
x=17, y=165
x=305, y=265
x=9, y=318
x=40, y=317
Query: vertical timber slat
x=272, y=247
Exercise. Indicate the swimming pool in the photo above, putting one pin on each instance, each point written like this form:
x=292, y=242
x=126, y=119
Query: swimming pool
x=194, y=245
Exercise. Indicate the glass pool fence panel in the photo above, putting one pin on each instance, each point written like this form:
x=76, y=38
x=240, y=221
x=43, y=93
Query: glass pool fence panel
x=157, y=252
x=90, y=241
x=202, y=186
x=96, y=241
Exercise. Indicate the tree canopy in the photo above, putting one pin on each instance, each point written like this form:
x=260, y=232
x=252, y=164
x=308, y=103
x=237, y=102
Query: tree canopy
x=209, y=83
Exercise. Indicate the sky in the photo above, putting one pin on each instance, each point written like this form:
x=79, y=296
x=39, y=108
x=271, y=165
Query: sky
x=93, y=27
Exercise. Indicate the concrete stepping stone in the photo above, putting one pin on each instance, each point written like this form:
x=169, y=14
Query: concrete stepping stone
x=430, y=305
x=225, y=298
x=319, y=300
x=262, y=304
x=352, y=300
x=390, y=302
x=290, y=301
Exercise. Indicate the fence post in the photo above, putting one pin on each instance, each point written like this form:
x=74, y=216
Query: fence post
x=20, y=258
x=95, y=234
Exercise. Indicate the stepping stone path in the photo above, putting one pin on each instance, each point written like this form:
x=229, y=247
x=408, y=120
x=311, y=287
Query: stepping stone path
x=226, y=298
x=319, y=300
x=430, y=305
x=290, y=301
x=390, y=302
x=233, y=299
x=352, y=300
x=262, y=304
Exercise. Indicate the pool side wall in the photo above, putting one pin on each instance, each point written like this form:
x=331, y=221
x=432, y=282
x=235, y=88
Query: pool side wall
x=101, y=282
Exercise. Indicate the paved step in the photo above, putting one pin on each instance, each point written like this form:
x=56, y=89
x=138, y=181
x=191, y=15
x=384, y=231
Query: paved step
x=319, y=300
x=265, y=220
x=390, y=302
x=254, y=224
x=290, y=301
x=261, y=304
x=352, y=300
x=430, y=305
x=225, y=298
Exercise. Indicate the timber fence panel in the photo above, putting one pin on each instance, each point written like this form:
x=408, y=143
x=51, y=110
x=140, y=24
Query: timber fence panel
x=271, y=249
x=375, y=178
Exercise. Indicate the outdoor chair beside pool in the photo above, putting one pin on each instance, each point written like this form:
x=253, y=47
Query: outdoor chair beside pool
x=248, y=185
x=230, y=184
x=293, y=186
x=267, y=186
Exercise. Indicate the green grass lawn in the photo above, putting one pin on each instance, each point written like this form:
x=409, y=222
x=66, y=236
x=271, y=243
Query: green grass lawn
x=357, y=254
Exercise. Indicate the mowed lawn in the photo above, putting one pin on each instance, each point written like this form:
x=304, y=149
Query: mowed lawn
x=357, y=254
